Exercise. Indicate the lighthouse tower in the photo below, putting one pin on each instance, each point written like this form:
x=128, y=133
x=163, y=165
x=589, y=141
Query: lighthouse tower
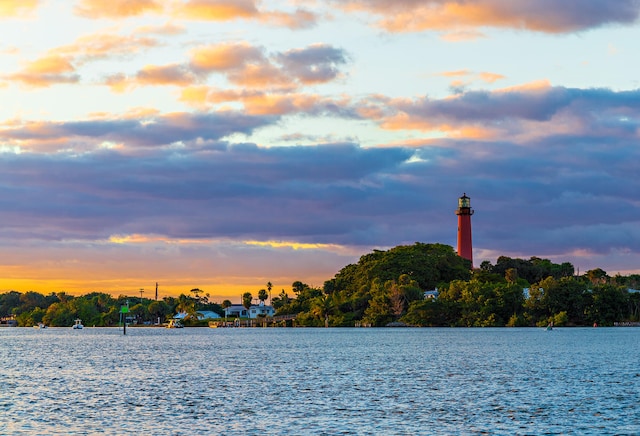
x=464, y=213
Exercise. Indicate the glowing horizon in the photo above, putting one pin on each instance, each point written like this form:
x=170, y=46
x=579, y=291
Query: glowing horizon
x=224, y=144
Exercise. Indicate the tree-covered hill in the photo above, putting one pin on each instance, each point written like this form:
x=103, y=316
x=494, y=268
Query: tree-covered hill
x=387, y=286
x=426, y=264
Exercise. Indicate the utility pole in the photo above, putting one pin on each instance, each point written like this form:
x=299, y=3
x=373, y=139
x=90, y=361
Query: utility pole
x=156, y=291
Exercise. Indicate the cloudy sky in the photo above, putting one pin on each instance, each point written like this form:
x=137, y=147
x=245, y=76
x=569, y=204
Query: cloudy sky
x=222, y=144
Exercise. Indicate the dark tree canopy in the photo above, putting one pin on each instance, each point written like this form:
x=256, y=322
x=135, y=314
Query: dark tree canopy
x=426, y=264
x=532, y=270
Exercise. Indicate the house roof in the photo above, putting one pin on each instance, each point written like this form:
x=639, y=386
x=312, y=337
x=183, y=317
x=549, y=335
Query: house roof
x=204, y=314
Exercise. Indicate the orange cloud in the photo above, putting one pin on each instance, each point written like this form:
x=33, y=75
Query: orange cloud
x=59, y=64
x=462, y=35
x=225, y=56
x=217, y=10
x=16, y=8
x=166, y=29
x=479, y=117
x=300, y=19
x=270, y=104
x=457, y=17
x=49, y=65
x=117, y=8
x=491, y=77
x=46, y=71
x=104, y=45
x=164, y=75
x=227, y=10
x=257, y=102
x=456, y=73
x=194, y=95
x=152, y=75
x=538, y=85
x=244, y=65
x=470, y=76
x=403, y=121
x=260, y=76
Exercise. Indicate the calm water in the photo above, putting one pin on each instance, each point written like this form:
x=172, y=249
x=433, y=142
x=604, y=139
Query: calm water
x=319, y=381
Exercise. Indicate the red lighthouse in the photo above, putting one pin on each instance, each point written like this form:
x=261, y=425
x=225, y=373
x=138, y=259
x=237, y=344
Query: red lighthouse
x=464, y=213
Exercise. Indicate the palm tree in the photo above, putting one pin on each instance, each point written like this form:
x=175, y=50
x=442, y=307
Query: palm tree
x=269, y=286
x=183, y=303
x=188, y=306
x=247, y=298
x=225, y=305
x=262, y=295
x=321, y=306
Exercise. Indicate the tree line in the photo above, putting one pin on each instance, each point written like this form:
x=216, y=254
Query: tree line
x=384, y=287
x=100, y=309
x=387, y=287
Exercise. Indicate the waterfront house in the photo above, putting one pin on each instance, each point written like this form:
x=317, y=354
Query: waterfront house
x=8, y=321
x=255, y=311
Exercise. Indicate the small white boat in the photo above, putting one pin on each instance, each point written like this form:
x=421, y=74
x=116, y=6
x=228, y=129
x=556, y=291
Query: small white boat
x=40, y=325
x=78, y=324
x=174, y=324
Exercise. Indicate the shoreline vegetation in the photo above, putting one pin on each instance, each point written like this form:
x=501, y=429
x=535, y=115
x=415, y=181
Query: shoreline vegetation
x=422, y=285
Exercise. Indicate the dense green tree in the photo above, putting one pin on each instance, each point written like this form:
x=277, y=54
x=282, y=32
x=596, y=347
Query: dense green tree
x=634, y=307
x=281, y=301
x=158, y=311
x=59, y=315
x=301, y=304
x=196, y=292
x=189, y=306
x=247, y=300
x=262, y=295
x=597, y=276
x=430, y=312
x=298, y=287
x=378, y=312
x=608, y=304
x=321, y=307
x=550, y=297
x=426, y=264
x=532, y=270
x=30, y=300
x=9, y=301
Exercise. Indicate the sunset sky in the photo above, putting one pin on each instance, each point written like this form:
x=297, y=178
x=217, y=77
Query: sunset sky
x=223, y=144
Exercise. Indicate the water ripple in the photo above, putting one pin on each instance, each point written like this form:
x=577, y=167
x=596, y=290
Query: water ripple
x=319, y=381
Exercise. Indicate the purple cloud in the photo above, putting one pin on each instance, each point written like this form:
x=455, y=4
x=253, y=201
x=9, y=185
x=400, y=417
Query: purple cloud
x=551, y=194
x=314, y=64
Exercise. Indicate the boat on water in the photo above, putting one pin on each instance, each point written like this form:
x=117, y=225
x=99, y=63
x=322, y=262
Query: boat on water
x=40, y=325
x=8, y=322
x=78, y=325
x=550, y=326
x=174, y=324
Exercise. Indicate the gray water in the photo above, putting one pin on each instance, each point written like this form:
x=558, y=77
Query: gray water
x=275, y=381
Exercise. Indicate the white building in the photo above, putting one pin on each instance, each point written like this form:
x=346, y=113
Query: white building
x=431, y=294
x=255, y=311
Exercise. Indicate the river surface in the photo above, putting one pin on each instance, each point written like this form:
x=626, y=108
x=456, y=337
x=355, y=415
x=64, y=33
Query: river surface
x=298, y=381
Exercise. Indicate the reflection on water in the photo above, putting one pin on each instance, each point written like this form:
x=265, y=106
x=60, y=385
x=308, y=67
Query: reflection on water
x=319, y=381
